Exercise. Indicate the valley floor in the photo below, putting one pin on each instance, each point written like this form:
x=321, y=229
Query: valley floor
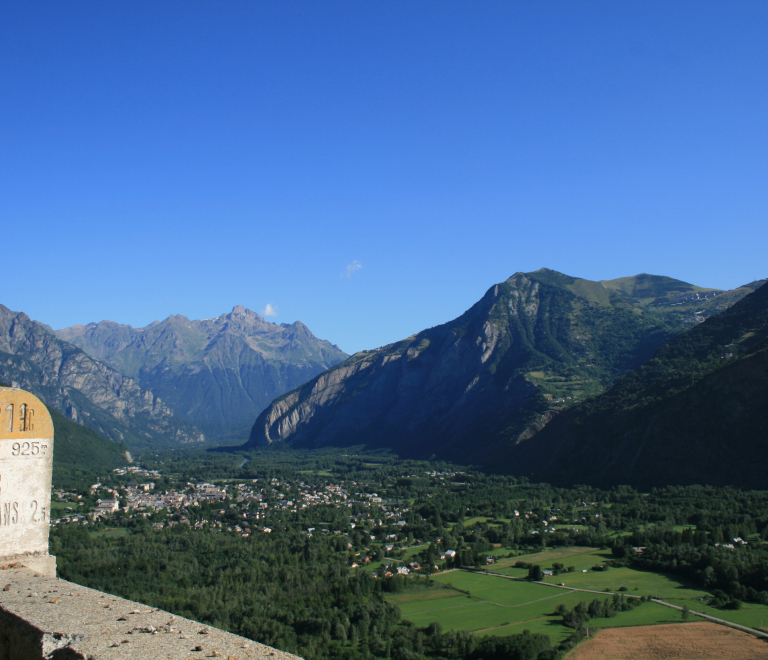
x=490, y=603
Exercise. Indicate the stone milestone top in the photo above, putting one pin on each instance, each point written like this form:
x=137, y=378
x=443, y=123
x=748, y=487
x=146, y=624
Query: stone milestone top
x=43, y=618
x=26, y=463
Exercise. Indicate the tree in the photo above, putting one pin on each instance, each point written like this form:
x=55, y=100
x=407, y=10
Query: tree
x=534, y=573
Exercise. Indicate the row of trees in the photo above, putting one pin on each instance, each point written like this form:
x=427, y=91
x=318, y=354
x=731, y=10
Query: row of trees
x=283, y=590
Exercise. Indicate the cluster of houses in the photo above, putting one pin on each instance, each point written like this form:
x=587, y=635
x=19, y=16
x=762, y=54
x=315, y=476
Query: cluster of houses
x=391, y=569
x=250, y=506
x=732, y=546
x=254, y=501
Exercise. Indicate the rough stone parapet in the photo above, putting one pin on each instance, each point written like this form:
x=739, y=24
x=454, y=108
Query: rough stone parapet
x=45, y=618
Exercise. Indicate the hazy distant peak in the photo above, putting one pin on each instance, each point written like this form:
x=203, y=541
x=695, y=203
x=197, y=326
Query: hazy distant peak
x=80, y=327
x=240, y=311
x=46, y=327
x=218, y=372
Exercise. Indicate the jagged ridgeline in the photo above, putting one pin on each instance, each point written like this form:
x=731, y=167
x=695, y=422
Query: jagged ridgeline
x=86, y=390
x=696, y=413
x=218, y=373
x=532, y=346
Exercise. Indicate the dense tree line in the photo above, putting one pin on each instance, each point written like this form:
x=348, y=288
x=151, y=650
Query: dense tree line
x=283, y=590
x=606, y=608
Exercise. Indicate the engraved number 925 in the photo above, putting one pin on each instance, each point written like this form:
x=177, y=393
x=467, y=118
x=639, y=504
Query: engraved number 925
x=28, y=449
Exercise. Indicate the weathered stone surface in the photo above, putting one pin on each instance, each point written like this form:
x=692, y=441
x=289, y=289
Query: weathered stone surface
x=48, y=618
x=26, y=463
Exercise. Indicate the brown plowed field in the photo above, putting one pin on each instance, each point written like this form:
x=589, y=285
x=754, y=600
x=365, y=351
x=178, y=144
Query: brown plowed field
x=685, y=641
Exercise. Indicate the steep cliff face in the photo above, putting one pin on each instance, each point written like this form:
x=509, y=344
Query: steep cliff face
x=531, y=346
x=695, y=413
x=85, y=390
x=219, y=373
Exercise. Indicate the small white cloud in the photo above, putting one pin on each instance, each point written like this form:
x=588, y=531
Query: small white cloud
x=352, y=268
x=269, y=310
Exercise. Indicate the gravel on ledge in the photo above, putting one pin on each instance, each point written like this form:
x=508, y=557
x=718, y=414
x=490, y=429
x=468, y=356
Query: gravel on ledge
x=76, y=622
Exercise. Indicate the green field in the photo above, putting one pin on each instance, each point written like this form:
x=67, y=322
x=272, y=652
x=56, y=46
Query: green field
x=577, y=556
x=638, y=583
x=471, y=521
x=60, y=508
x=500, y=606
x=750, y=614
x=112, y=532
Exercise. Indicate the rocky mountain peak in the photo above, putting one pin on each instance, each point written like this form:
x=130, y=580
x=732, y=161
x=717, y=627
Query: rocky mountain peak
x=532, y=346
x=219, y=372
x=84, y=389
x=243, y=315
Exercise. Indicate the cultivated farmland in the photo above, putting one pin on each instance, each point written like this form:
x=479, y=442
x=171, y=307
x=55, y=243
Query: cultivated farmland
x=493, y=605
x=692, y=641
x=669, y=588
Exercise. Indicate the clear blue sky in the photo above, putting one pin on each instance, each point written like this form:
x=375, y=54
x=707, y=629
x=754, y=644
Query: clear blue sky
x=371, y=168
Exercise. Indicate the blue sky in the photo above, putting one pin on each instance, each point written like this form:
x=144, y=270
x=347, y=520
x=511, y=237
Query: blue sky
x=371, y=168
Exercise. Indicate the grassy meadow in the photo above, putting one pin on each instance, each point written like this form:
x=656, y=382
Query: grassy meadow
x=492, y=604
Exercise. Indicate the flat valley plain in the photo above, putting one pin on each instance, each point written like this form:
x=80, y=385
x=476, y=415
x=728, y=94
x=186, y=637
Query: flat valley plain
x=489, y=603
x=292, y=535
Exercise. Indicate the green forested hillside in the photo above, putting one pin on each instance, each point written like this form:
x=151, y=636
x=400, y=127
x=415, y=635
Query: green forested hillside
x=685, y=305
x=80, y=455
x=695, y=413
x=735, y=334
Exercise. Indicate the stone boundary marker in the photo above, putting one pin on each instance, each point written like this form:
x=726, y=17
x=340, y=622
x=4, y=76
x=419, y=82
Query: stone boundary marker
x=26, y=465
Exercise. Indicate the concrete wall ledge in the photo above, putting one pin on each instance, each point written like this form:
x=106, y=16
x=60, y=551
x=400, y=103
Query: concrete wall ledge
x=45, y=618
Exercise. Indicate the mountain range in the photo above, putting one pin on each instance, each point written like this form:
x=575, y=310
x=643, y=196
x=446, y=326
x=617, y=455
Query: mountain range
x=533, y=346
x=85, y=390
x=217, y=373
x=157, y=386
x=645, y=380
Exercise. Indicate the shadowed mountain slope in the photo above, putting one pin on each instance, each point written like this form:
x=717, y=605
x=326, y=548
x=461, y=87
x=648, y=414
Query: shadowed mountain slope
x=219, y=373
x=530, y=347
x=696, y=413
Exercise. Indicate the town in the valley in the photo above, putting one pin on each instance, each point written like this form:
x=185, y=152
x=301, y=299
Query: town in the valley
x=377, y=530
